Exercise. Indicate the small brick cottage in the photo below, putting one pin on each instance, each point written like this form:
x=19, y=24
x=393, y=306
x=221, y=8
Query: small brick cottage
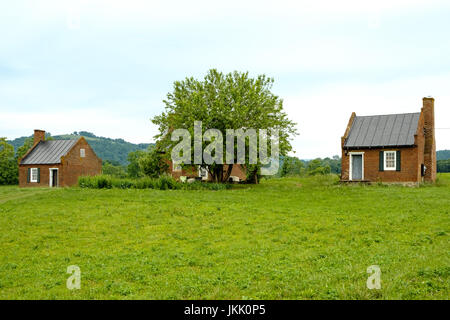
x=390, y=148
x=55, y=163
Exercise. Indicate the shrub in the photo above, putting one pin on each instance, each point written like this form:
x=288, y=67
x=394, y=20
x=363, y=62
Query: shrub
x=95, y=182
x=145, y=183
x=123, y=183
x=164, y=182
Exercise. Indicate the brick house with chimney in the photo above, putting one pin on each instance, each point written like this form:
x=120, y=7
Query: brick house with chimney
x=55, y=163
x=395, y=148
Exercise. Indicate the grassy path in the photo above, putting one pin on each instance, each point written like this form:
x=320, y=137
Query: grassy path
x=11, y=193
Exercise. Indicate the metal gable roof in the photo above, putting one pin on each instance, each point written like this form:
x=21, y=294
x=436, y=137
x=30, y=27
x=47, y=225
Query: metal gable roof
x=49, y=152
x=383, y=131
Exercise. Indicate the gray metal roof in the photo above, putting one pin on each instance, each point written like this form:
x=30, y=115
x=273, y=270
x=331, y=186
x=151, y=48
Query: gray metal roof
x=383, y=131
x=49, y=152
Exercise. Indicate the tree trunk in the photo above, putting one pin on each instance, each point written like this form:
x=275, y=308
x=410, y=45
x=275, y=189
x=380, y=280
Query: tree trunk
x=228, y=173
x=219, y=173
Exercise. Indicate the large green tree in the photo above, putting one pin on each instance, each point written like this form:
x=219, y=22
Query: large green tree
x=443, y=165
x=22, y=150
x=292, y=166
x=134, y=168
x=8, y=163
x=224, y=101
x=114, y=169
x=153, y=163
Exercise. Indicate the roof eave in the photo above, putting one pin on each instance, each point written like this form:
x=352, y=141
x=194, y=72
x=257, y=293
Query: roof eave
x=380, y=147
x=39, y=163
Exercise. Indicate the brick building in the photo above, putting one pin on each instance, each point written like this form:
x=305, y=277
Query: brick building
x=237, y=172
x=390, y=148
x=55, y=163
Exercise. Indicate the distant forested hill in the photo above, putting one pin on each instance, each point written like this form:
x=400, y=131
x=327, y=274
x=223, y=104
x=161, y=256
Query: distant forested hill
x=114, y=150
x=443, y=155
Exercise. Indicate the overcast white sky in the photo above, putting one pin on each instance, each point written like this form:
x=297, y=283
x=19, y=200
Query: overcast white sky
x=106, y=66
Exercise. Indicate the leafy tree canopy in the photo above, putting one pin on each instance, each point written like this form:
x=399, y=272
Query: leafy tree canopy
x=23, y=149
x=224, y=101
x=8, y=163
x=443, y=165
x=114, y=169
x=153, y=163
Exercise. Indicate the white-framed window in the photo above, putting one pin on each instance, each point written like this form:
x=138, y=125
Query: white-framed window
x=390, y=160
x=34, y=175
x=203, y=173
x=82, y=153
x=176, y=167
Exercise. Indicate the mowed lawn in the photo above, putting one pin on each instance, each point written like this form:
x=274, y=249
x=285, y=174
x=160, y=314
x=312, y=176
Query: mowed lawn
x=287, y=238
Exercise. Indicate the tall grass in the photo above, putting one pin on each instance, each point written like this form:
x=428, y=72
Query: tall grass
x=164, y=182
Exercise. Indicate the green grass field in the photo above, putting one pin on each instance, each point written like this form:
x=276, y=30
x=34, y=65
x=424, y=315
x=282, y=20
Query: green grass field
x=287, y=238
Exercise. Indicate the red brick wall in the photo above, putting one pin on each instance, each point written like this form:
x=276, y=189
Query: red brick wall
x=238, y=171
x=345, y=164
x=410, y=169
x=420, y=143
x=73, y=165
x=430, y=140
x=44, y=177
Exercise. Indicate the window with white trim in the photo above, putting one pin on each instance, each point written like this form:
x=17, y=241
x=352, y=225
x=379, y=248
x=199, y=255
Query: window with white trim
x=390, y=160
x=33, y=175
x=82, y=153
x=176, y=167
x=203, y=172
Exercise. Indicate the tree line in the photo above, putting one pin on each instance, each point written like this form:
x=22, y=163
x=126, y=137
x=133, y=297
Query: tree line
x=9, y=160
x=293, y=166
x=141, y=163
x=150, y=163
x=443, y=165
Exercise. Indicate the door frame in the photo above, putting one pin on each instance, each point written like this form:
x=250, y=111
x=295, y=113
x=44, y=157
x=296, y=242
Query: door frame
x=351, y=154
x=51, y=176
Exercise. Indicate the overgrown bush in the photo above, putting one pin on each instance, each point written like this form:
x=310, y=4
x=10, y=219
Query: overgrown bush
x=113, y=169
x=95, y=182
x=164, y=182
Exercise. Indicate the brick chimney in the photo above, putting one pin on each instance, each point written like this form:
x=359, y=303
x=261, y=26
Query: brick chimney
x=430, y=140
x=39, y=135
